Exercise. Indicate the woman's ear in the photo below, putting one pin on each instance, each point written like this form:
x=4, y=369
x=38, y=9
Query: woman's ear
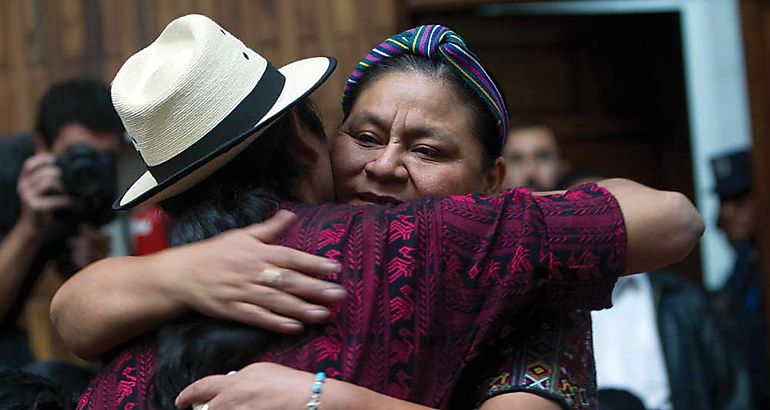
x=305, y=146
x=494, y=178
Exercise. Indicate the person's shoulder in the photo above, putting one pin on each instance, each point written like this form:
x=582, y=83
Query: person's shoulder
x=587, y=208
x=326, y=210
x=344, y=211
x=14, y=150
x=586, y=193
x=17, y=144
x=478, y=204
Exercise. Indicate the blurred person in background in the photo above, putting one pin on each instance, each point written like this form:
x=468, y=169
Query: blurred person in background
x=56, y=189
x=535, y=158
x=662, y=343
x=740, y=299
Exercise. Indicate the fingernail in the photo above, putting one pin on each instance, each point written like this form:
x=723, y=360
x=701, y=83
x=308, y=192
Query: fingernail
x=317, y=314
x=332, y=267
x=335, y=293
x=286, y=214
x=292, y=325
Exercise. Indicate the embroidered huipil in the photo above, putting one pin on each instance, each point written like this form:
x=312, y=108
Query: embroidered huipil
x=434, y=287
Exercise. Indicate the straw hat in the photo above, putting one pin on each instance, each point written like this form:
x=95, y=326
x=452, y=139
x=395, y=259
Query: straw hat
x=195, y=98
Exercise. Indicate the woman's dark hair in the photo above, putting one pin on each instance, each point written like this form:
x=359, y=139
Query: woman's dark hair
x=247, y=190
x=485, y=125
x=24, y=391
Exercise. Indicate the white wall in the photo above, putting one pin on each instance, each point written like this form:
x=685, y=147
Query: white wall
x=716, y=93
x=719, y=111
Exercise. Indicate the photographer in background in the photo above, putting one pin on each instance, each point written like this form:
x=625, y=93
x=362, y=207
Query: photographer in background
x=56, y=189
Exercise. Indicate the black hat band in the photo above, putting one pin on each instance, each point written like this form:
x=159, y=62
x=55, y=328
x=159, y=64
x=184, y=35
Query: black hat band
x=242, y=120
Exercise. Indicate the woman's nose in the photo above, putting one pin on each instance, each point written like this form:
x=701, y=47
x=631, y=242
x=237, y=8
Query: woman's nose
x=388, y=166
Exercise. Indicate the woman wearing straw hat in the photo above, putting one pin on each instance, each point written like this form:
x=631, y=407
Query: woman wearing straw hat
x=604, y=213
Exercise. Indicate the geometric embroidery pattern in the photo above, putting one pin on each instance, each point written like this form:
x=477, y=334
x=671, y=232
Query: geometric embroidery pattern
x=441, y=299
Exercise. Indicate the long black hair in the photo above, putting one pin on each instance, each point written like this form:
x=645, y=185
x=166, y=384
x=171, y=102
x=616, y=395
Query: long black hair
x=247, y=190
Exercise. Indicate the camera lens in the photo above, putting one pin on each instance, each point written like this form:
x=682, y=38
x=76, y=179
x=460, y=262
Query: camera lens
x=89, y=175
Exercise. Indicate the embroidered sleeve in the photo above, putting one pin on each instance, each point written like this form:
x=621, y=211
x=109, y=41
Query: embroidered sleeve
x=559, y=251
x=506, y=257
x=431, y=282
x=550, y=355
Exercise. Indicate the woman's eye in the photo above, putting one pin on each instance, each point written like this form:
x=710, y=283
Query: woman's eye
x=366, y=138
x=427, y=151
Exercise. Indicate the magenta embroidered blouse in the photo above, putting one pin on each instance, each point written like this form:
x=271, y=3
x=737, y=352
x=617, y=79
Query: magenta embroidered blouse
x=436, y=288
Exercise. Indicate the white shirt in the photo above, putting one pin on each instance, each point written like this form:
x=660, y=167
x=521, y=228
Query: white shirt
x=627, y=345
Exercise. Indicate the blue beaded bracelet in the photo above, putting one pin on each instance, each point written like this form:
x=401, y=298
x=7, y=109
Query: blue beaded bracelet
x=315, y=395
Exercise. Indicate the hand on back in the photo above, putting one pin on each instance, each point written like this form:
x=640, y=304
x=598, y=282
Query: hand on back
x=241, y=276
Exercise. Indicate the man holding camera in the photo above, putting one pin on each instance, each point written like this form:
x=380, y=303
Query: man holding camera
x=56, y=189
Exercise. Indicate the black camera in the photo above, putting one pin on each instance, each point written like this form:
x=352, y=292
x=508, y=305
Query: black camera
x=90, y=177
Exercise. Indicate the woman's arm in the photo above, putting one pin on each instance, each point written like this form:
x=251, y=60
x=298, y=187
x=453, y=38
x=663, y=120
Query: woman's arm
x=513, y=401
x=268, y=386
x=564, y=372
x=662, y=227
x=116, y=299
x=112, y=301
x=121, y=298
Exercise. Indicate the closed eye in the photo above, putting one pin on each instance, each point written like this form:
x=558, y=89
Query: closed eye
x=427, y=151
x=366, y=138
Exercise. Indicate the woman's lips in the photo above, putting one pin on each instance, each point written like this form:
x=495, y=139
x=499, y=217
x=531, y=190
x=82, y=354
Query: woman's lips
x=370, y=198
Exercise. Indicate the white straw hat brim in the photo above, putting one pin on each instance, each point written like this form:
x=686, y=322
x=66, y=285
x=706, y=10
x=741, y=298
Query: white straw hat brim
x=302, y=78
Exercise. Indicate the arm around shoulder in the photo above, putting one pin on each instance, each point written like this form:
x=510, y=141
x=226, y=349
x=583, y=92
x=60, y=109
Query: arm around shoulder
x=111, y=301
x=116, y=299
x=662, y=227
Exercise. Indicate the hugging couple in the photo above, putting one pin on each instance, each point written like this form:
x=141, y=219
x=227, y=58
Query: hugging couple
x=380, y=267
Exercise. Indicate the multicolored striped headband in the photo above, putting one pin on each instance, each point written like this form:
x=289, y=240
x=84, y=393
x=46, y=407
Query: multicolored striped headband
x=438, y=42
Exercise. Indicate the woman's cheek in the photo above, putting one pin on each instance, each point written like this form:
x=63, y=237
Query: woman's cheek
x=341, y=155
x=432, y=179
x=349, y=159
x=446, y=180
x=356, y=157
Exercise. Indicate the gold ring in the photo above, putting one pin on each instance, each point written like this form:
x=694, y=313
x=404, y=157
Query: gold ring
x=270, y=276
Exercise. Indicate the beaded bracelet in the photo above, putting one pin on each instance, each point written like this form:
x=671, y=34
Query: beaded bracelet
x=315, y=396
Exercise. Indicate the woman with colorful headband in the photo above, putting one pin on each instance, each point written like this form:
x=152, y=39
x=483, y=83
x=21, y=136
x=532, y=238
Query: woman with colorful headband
x=392, y=149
